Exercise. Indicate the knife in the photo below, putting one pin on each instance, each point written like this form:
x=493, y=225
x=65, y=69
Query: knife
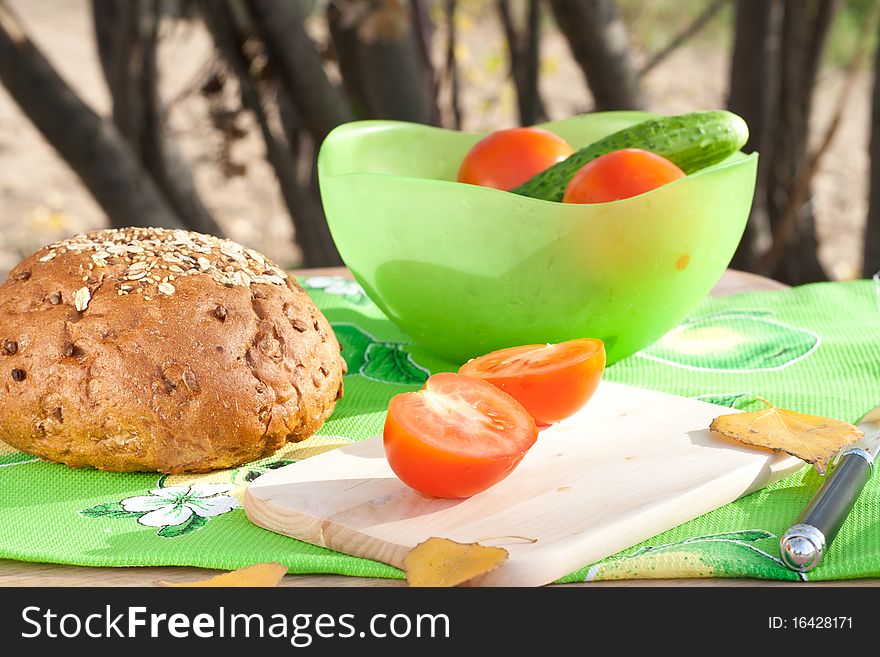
x=803, y=544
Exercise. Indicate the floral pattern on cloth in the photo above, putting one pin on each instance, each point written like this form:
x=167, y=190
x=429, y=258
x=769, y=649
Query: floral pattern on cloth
x=338, y=286
x=700, y=556
x=737, y=341
x=174, y=510
x=378, y=360
x=180, y=504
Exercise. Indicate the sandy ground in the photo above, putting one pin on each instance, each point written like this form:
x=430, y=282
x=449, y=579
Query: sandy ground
x=42, y=200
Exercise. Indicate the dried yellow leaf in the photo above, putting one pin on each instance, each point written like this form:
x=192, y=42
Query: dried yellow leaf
x=811, y=438
x=443, y=562
x=261, y=574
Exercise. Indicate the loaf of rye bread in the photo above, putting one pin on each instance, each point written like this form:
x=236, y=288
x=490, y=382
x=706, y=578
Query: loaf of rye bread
x=146, y=349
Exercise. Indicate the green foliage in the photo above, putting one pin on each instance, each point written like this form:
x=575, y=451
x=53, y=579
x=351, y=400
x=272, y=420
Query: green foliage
x=845, y=32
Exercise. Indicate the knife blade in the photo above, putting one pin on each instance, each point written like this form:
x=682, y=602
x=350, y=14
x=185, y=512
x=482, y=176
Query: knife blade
x=804, y=543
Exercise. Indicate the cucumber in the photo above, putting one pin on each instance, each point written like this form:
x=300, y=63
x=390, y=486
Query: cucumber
x=691, y=141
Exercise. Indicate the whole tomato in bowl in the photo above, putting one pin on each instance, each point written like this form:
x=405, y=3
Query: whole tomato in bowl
x=507, y=158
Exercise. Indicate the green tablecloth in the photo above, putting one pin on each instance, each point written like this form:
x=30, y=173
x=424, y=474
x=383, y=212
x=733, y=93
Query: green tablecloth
x=814, y=349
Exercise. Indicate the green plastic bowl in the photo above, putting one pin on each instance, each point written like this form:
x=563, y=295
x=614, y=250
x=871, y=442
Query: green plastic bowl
x=465, y=269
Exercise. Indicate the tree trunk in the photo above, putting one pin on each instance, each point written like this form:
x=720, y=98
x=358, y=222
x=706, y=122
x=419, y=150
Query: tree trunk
x=311, y=230
x=599, y=43
x=451, y=70
x=533, y=107
x=90, y=145
x=127, y=37
x=121, y=48
x=379, y=57
x=872, y=231
x=804, y=29
x=320, y=104
x=523, y=47
x=754, y=87
x=423, y=27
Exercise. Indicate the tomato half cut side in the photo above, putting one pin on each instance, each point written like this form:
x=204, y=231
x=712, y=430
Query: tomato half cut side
x=457, y=436
x=552, y=381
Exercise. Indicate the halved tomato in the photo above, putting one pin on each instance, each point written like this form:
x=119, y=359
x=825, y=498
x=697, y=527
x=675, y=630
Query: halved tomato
x=456, y=436
x=552, y=381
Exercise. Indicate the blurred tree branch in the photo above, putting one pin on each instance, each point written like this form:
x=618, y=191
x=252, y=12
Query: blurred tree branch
x=871, y=264
x=319, y=103
x=424, y=31
x=524, y=52
x=311, y=231
x=801, y=186
x=777, y=51
x=599, y=43
x=754, y=83
x=682, y=37
x=127, y=34
x=382, y=65
x=804, y=28
x=90, y=145
x=450, y=71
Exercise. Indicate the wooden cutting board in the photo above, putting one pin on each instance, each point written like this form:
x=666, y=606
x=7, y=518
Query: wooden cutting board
x=631, y=464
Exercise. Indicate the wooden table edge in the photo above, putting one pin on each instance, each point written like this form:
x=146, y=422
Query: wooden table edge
x=28, y=574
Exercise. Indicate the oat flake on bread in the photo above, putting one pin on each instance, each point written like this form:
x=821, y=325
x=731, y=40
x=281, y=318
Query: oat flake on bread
x=145, y=349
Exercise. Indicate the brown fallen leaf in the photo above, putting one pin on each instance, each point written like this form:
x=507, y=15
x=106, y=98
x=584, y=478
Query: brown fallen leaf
x=811, y=438
x=443, y=562
x=261, y=574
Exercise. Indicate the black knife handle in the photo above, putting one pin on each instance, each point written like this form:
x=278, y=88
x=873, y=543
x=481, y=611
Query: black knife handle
x=804, y=543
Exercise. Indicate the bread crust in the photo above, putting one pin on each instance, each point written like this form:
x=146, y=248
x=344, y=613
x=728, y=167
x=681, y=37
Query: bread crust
x=207, y=356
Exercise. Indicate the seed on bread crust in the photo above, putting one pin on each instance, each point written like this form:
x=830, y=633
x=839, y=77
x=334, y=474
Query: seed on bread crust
x=81, y=299
x=136, y=254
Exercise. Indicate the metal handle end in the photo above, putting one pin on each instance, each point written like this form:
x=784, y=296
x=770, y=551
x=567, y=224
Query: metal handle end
x=801, y=547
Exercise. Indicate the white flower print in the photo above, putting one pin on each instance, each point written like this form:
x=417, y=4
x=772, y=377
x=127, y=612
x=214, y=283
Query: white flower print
x=174, y=505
